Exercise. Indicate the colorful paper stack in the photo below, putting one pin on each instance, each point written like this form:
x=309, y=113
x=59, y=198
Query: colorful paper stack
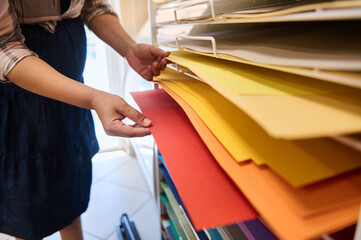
x=248, y=143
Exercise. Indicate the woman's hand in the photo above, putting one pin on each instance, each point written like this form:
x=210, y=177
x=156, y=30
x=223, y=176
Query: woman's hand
x=112, y=109
x=146, y=60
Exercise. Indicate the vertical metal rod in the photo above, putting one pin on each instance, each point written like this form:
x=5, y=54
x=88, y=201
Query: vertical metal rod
x=152, y=12
x=213, y=10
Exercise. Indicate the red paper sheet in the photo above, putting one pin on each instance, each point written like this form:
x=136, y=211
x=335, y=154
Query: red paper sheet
x=209, y=195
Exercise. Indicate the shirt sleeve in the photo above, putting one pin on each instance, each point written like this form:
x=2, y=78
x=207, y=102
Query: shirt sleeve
x=12, y=47
x=93, y=8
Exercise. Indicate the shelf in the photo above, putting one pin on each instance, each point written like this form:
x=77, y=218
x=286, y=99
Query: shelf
x=320, y=15
x=351, y=78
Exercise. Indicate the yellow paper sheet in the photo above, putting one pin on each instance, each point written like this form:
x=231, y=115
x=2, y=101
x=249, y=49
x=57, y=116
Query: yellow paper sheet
x=302, y=208
x=248, y=80
x=299, y=162
x=291, y=106
x=351, y=79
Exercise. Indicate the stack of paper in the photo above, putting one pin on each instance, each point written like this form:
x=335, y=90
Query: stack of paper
x=292, y=8
x=299, y=162
x=320, y=50
x=284, y=105
x=299, y=7
x=260, y=127
x=199, y=10
x=306, y=45
x=283, y=10
x=291, y=213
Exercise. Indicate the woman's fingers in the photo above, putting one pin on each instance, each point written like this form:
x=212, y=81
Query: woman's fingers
x=159, y=65
x=163, y=64
x=134, y=115
x=112, y=109
x=118, y=128
x=155, y=69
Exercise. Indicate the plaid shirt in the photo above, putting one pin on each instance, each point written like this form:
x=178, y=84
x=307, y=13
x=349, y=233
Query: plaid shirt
x=43, y=12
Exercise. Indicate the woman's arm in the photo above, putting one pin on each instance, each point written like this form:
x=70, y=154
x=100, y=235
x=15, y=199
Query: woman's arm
x=36, y=76
x=108, y=28
x=21, y=66
x=31, y=73
x=145, y=59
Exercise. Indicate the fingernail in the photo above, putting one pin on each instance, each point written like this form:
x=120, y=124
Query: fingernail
x=146, y=121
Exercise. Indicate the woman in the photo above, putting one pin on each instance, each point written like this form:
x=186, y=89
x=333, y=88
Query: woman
x=47, y=135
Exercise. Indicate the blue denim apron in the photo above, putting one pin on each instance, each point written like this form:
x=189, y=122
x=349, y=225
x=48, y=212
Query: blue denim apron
x=45, y=146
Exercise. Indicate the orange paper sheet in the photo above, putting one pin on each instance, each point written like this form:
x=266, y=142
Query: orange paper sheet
x=292, y=213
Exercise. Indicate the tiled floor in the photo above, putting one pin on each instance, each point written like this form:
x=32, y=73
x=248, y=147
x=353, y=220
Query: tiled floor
x=118, y=187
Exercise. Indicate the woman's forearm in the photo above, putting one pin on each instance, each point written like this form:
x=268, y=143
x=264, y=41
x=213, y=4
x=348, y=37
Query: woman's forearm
x=36, y=76
x=108, y=28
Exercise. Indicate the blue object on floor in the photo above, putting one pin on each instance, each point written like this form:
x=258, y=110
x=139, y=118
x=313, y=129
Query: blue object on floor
x=127, y=230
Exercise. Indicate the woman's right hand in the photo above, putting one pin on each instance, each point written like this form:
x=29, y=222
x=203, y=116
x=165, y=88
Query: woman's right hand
x=112, y=110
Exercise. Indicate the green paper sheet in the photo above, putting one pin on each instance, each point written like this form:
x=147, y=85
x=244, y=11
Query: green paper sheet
x=172, y=216
x=177, y=212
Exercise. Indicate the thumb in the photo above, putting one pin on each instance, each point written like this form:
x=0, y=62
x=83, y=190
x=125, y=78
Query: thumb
x=136, y=116
x=158, y=52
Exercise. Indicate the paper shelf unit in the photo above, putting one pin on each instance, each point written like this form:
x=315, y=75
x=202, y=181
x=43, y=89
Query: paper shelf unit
x=302, y=14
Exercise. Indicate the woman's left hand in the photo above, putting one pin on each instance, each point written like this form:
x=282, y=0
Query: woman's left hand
x=146, y=60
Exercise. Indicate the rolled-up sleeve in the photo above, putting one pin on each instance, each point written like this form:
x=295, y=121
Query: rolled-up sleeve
x=12, y=47
x=93, y=8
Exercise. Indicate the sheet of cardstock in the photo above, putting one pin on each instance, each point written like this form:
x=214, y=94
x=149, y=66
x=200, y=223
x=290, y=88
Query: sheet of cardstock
x=235, y=232
x=291, y=8
x=172, y=215
x=170, y=183
x=214, y=234
x=223, y=234
x=338, y=11
x=306, y=114
x=200, y=11
x=297, y=117
x=172, y=231
x=249, y=80
x=351, y=79
x=352, y=141
x=300, y=163
x=209, y=201
x=175, y=206
x=292, y=213
x=256, y=230
x=305, y=44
